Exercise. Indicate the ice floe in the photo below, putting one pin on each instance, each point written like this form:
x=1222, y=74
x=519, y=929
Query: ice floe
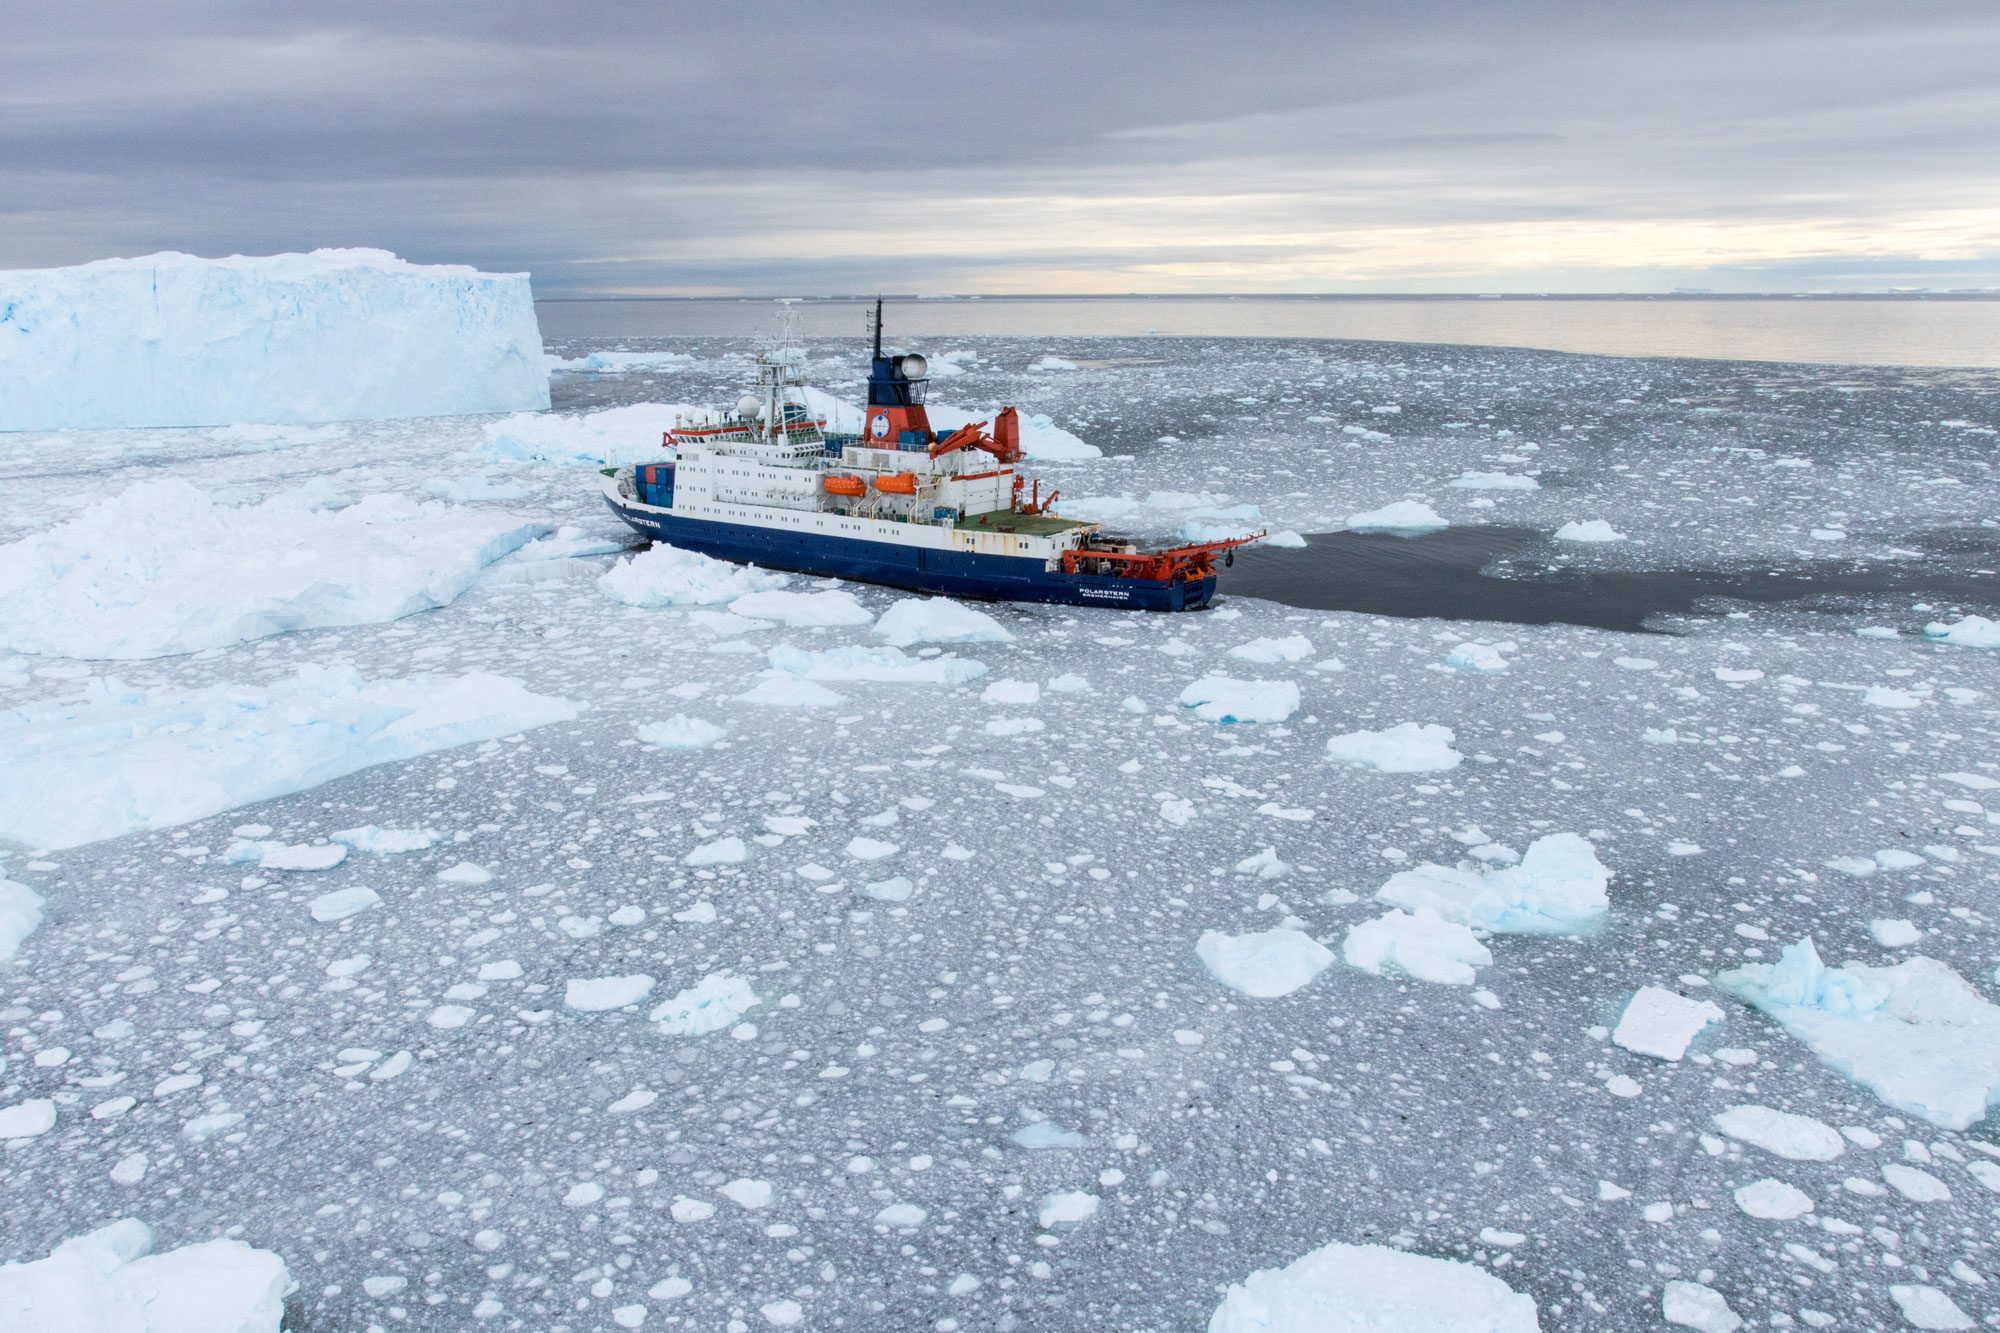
x=1373, y=1289
x=1557, y=889
x=1773, y=1200
x=1797, y=1138
x=1494, y=481
x=1408, y=747
x=123, y=759
x=627, y=434
x=1692, y=1305
x=1590, y=530
x=665, y=575
x=162, y=568
x=917, y=620
x=1265, y=964
x=1927, y=1307
x=1418, y=944
x=109, y=1281
x=1970, y=632
x=1660, y=1023
x=715, y=1002
x=1404, y=516
x=1914, y=1034
x=596, y=994
x=1225, y=699
x=803, y=610
x=681, y=732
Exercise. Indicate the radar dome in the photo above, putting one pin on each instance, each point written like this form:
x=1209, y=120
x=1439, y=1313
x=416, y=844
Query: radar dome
x=915, y=367
x=749, y=408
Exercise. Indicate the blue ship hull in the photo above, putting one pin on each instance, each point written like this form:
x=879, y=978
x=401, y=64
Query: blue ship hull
x=949, y=573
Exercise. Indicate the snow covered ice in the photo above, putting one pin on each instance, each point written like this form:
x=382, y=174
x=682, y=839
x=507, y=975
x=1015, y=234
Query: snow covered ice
x=175, y=340
x=926, y=981
x=1376, y=1289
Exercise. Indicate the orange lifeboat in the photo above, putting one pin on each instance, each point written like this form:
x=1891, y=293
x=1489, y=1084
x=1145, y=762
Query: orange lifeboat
x=850, y=486
x=897, y=483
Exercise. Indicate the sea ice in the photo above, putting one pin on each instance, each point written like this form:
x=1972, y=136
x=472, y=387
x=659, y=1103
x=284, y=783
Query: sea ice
x=378, y=841
x=1692, y=1305
x=1291, y=648
x=803, y=610
x=1972, y=632
x=1915, y=1034
x=125, y=759
x=1373, y=1289
x=343, y=903
x=859, y=662
x=1661, y=1023
x=681, y=732
x=665, y=575
x=20, y=913
x=174, y=340
x=782, y=691
x=1557, y=889
x=1404, y=516
x=1797, y=1138
x=1070, y=1207
x=1476, y=657
x=1773, y=1200
x=1266, y=964
x=1592, y=530
x=1420, y=944
x=1929, y=1308
x=628, y=434
x=1893, y=933
x=27, y=1120
x=108, y=1282
x=1407, y=747
x=1223, y=699
x=1494, y=481
x=596, y=994
x=917, y=620
x=715, y=1002
x=161, y=568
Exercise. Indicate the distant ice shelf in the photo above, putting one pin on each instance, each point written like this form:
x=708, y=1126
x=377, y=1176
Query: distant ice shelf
x=336, y=335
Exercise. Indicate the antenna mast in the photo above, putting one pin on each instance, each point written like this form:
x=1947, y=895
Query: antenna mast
x=875, y=326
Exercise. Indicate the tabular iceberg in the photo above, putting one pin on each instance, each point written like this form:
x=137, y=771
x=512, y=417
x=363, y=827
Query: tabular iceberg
x=335, y=335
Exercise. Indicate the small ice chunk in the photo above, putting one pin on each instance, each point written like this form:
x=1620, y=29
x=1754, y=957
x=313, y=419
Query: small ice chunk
x=28, y=1119
x=1494, y=481
x=790, y=692
x=378, y=841
x=901, y=1216
x=803, y=610
x=304, y=857
x=1012, y=692
x=1914, y=1185
x=1047, y=1134
x=747, y=1194
x=664, y=575
x=1265, y=964
x=1661, y=1023
x=466, y=872
x=870, y=849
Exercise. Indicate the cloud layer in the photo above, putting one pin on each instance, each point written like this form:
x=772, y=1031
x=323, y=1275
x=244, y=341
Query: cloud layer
x=1028, y=147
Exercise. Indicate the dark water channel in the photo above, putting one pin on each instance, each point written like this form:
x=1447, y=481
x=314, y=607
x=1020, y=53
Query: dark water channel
x=1516, y=575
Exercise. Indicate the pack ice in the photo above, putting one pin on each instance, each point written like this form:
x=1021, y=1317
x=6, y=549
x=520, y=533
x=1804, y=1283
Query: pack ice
x=161, y=568
x=108, y=1281
x=1915, y=1034
x=122, y=759
x=175, y=340
x=1373, y=1289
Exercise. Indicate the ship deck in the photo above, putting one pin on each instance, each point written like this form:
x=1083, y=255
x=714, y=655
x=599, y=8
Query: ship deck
x=1022, y=525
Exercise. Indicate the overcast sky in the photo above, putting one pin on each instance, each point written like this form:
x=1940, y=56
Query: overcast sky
x=1023, y=147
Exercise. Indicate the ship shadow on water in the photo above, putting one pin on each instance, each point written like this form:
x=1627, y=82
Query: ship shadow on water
x=1518, y=576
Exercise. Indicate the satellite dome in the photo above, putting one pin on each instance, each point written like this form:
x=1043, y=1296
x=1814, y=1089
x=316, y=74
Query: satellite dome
x=749, y=408
x=915, y=367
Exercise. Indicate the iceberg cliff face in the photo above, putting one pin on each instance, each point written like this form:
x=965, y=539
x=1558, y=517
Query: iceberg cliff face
x=335, y=335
